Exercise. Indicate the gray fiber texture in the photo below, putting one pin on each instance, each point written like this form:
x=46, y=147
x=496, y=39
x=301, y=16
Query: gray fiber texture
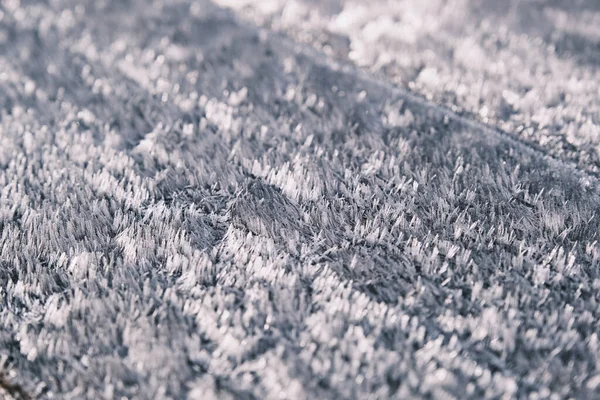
x=299, y=199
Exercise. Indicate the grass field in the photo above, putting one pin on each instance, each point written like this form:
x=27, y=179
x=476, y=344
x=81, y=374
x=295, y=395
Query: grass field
x=299, y=199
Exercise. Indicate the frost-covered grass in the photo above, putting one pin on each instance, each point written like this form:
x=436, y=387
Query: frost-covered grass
x=191, y=206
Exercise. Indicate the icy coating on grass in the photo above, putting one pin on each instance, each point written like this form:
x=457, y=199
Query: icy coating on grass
x=200, y=202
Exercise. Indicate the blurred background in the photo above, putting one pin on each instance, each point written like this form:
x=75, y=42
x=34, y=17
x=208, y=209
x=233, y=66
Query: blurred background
x=529, y=67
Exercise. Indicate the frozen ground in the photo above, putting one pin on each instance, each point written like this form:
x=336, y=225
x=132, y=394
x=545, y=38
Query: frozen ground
x=300, y=199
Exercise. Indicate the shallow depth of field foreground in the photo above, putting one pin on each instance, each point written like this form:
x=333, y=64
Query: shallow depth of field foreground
x=301, y=199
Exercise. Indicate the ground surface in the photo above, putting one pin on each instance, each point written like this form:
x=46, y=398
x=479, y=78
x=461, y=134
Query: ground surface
x=299, y=199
